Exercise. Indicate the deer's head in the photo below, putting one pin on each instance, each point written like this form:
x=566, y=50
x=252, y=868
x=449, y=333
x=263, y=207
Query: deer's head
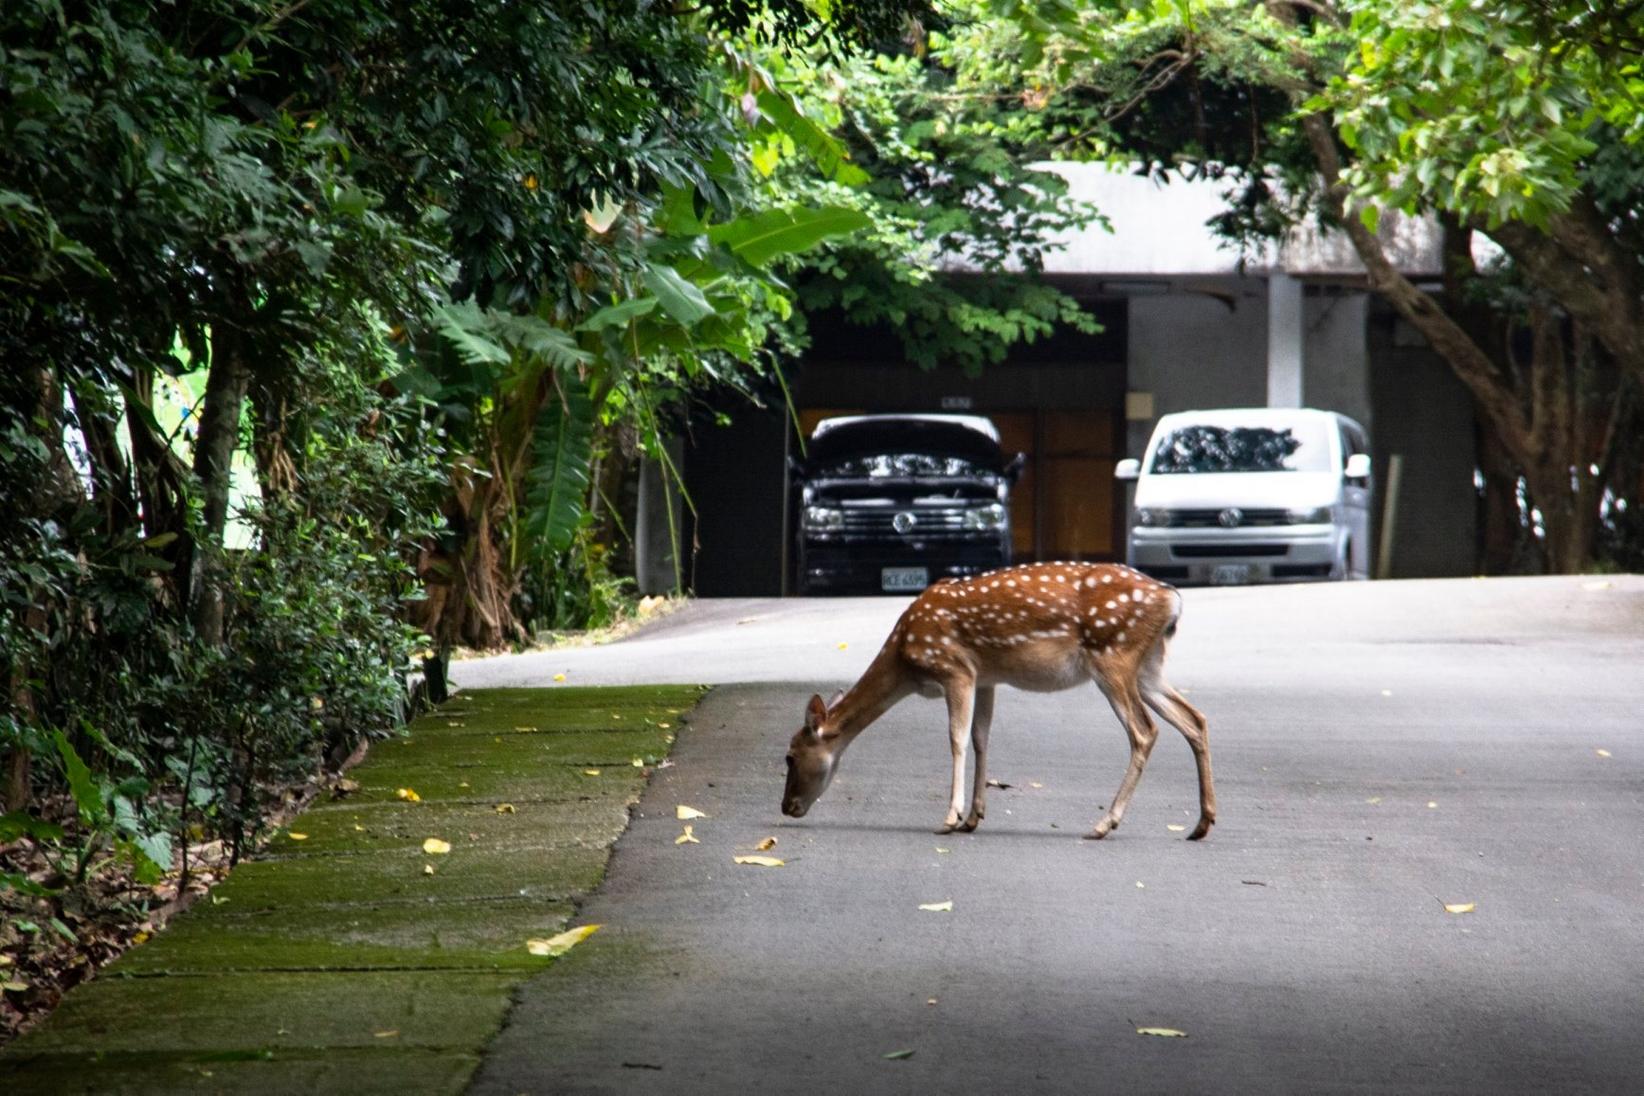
x=813, y=755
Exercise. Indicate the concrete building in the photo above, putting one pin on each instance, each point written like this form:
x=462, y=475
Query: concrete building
x=1188, y=323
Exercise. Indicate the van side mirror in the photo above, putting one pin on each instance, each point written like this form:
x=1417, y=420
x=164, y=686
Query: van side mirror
x=1127, y=469
x=1013, y=470
x=1358, y=467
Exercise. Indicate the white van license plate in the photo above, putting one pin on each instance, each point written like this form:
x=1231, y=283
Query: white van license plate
x=903, y=579
x=1230, y=574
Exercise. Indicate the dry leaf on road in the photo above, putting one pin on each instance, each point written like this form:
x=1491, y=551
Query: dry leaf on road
x=899, y=1055
x=761, y=861
x=939, y=907
x=1174, y=828
x=1460, y=907
x=685, y=814
x=298, y=836
x=766, y=845
x=504, y=808
x=435, y=847
x=1602, y=752
x=687, y=838
x=564, y=942
x=408, y=795
x=1162, y=1032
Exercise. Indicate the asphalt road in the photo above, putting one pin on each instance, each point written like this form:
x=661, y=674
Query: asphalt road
x=1381, y=750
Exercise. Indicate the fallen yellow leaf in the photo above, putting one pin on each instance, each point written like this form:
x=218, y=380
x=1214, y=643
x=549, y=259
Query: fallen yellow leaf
x=638, y=763
x=1373, y=800
x=559, y=677
x=564, y=942
x=140, y=938
x=525, y=729
x=684, y=813
x=940, y=849
x=766, y=845
x=939, y=907
x=1460, y=907
x=687, y=838
x=5, y=960
x=297, y=836
x=1140, y=885
x=462, y=783
x=1432, y=804
x=454, y=723
x=408, y=795
x=664, y=726
x=842, y=646
x=358, y=828
x=761, y=861
x=1173, y=828
x=590, y=772
x=389, y=1034
x=1602, y=753
x=435, y=847
x=428, y=869
x=14, y=987
x=1034, y=784
x=504, y=808
x=1162, y=1032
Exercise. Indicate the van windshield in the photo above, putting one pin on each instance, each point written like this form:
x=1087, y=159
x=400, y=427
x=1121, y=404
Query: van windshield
x=881, y=465
x=1299, y=447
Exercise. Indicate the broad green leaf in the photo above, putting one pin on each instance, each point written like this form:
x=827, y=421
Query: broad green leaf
x=618, y=315
x=87, y=795
x=20, y=824
x=817, y=143
x=765, y=236
x=678, y=297
x=557, y=485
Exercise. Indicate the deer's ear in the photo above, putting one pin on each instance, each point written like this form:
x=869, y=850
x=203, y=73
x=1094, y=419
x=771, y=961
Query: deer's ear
x=815, y=713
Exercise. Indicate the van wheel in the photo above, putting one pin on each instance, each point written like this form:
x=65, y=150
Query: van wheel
x=1341, y=570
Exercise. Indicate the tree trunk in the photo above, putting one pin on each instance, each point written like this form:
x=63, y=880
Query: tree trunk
x=214, y=447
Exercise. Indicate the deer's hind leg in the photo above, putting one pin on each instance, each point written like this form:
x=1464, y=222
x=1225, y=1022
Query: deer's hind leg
x=1115, y=675
x=1174, y=709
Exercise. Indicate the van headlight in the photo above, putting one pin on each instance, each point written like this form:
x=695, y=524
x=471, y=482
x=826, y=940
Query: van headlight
x=824, y=519
x=984, y=518
x=1317, y=515
x=1152, y=515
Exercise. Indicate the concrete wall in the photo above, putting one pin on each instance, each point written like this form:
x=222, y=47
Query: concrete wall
x=1191, y=350
x=1336, y=364
x=1425, y=414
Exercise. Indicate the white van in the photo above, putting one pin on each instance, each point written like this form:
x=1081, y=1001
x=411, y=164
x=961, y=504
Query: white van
x=1263, y=494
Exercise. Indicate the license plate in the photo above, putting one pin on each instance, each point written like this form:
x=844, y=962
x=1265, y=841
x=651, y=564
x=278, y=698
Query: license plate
x=1230, y=574
x=903, y=579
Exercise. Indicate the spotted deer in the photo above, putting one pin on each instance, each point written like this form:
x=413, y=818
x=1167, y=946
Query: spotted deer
x=1042, y=627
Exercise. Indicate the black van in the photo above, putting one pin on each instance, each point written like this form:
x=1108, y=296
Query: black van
x=891, y=503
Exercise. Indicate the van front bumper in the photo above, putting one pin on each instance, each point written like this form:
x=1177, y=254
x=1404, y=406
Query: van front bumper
x=1291, y=553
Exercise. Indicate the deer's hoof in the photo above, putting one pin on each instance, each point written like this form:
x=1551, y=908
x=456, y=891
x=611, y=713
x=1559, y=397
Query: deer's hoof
x=947, y=827
x=1201, y=829
x=971, y=823
x=1101, y=830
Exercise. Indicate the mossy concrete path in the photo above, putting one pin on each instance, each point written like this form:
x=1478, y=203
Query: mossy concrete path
x=346, y=958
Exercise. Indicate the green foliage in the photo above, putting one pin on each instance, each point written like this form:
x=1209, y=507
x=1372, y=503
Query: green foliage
x=941, y=181
x=559, y=481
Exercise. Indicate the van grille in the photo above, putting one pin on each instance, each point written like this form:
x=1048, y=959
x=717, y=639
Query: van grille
x=1213, y=551
x=1206, y=518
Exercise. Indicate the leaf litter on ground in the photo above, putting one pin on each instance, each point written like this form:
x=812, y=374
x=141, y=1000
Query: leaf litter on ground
x=761, y=861
x=555, y=946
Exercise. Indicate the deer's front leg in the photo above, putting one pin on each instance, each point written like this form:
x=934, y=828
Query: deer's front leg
x=981, y=722
x=1127, y=705
x=961, y=701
